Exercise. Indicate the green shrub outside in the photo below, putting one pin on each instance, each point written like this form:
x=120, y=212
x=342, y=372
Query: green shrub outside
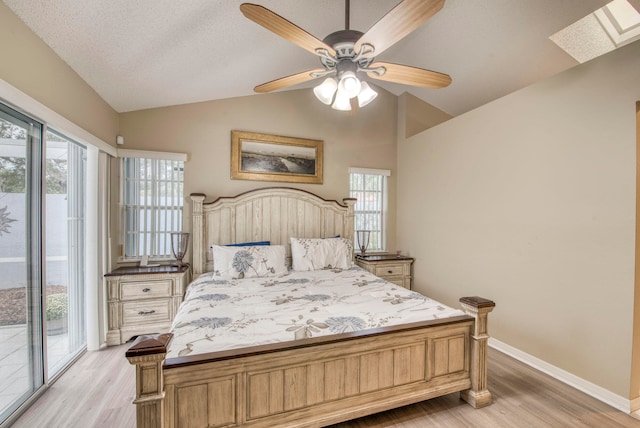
x=57, y=306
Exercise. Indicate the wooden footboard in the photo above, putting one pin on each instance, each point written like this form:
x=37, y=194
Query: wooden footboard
x=315, y=382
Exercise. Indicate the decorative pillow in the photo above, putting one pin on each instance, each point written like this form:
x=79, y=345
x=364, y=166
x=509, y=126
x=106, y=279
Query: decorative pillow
x=248, y=262
x=325, y=253
x=249, y=244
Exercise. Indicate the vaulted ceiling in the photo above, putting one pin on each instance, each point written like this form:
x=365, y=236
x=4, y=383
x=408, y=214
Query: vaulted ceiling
x=150, y=53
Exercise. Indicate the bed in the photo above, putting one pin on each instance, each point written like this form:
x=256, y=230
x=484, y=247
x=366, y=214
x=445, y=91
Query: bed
x=325, y=369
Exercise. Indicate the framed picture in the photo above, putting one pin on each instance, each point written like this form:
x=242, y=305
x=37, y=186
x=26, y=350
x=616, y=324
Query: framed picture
x=274, y=158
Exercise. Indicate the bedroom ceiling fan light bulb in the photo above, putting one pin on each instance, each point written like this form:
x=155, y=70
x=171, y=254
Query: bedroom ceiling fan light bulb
x=350, y=84
x=342, y=102
x=366, y=95
x=325, y=91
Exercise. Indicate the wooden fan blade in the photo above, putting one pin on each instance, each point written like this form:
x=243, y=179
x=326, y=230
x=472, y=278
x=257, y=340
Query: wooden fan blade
x=408, y=75
x=283, y=28
x=399, y=22
x=287, y=81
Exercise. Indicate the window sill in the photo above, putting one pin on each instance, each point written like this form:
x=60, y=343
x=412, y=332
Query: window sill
x=136, y=261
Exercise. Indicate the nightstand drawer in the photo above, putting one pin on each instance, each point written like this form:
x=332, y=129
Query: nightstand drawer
x=146, y=289
x=134, y=313
x=390, y=269
x=397, y=280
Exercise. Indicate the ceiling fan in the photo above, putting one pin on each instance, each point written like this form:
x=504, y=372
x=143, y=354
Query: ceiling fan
x=345, y=53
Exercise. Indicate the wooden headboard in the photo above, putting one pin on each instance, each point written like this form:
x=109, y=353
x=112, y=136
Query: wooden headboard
x=272, y=214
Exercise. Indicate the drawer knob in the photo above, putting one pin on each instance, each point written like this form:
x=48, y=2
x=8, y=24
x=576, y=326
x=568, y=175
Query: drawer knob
x=389, y=271
x=146, y=312
x=146, y=290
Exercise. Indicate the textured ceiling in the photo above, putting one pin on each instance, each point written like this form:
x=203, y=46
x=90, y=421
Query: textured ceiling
x=149, y=53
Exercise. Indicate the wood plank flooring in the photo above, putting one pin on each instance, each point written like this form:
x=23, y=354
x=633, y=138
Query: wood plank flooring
x=97, y=392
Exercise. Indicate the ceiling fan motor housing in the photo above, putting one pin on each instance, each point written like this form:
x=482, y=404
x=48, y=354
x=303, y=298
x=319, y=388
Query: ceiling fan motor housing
x=346, y=58
x=342, y=41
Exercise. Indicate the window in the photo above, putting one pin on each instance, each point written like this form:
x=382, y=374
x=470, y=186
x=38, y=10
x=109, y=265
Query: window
x=152, y=195
x=369, y=186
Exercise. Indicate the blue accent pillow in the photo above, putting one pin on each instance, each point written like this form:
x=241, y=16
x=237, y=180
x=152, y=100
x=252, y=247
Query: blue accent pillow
x=249, y=244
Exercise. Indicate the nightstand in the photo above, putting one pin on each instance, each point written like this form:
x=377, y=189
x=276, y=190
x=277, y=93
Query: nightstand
x=393, y=268
x=143, y=300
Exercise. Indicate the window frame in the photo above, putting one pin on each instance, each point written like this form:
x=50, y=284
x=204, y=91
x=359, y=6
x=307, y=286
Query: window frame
x=382, y=202
x=156, y=158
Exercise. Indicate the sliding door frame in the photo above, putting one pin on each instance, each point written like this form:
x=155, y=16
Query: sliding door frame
x=34, y=255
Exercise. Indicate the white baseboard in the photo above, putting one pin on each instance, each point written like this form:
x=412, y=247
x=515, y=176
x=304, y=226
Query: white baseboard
x=606, y=396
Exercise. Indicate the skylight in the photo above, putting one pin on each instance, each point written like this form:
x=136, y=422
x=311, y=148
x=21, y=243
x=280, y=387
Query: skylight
x=606, y=29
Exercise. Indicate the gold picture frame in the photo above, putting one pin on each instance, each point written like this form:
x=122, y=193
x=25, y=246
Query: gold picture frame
x=266, y=157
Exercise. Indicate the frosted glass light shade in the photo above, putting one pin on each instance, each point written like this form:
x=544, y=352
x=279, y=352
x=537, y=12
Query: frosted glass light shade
x=349, y=84
x=342, y=101
x=366, y=95
x=338, y=94
x=324, y=92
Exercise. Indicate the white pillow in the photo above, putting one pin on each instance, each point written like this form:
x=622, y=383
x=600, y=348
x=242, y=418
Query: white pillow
x=248, y=261
x=327, y=253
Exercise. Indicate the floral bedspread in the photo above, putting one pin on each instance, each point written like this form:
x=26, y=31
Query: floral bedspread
x=223, y=314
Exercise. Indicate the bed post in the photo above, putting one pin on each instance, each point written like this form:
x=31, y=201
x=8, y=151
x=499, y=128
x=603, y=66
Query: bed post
x=147, y=353
x=479, y=308
x=197, y=234
x=348, y=227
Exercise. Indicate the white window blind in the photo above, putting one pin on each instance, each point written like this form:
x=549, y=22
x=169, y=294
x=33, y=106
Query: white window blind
x=152, y=201
x=369, y=187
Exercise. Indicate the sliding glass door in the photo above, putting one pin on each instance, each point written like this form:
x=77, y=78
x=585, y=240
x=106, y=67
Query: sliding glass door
x=42, y=262
x=64, y=303
x=21, y=339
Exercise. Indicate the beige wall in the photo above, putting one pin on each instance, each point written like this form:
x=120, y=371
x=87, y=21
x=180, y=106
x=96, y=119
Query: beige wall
x=417, y=115
x=530, y=201
x=29, y=65
x=366, y=138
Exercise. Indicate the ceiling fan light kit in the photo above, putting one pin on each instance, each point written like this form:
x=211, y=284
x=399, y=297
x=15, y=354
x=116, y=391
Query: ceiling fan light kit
x=346, y=53
x=346, y=86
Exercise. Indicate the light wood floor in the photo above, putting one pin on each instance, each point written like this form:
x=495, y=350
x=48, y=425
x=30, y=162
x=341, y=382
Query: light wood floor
x=523, y=397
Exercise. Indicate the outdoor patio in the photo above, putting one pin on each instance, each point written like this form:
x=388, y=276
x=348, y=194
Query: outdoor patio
x=14, y=357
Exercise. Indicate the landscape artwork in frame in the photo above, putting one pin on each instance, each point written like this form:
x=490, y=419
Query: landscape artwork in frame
x=274, y=158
